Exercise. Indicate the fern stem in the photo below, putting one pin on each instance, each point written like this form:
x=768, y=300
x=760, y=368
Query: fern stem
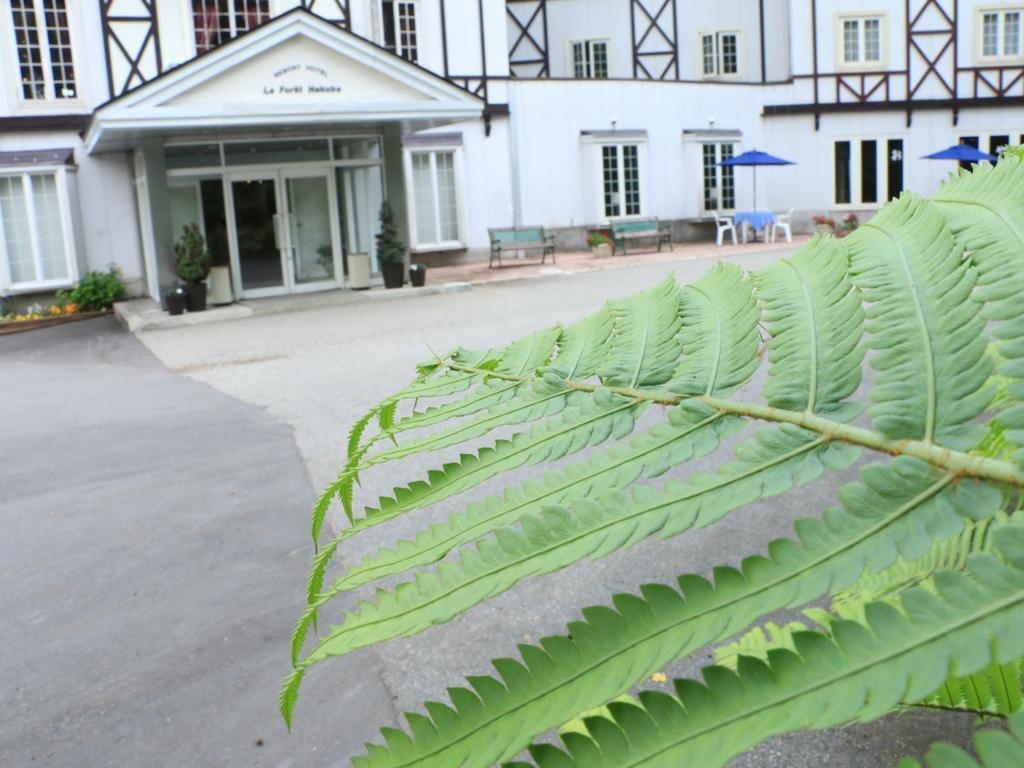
x=960, y=710
x=955, y=462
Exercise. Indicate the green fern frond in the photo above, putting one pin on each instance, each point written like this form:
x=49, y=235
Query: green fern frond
x=859, y=673
x=986, y=210
x=914, y=291
x=892, y=513
x=925, y=325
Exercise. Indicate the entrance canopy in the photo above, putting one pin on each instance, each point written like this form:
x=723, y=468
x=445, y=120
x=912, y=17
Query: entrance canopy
x=295, y=70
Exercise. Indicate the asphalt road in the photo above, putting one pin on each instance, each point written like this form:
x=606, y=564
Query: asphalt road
x=160, y=536
x=155, y=534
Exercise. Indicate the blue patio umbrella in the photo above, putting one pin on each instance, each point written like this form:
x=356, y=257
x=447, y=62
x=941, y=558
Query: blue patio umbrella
x=754, y=158
x=963, y=152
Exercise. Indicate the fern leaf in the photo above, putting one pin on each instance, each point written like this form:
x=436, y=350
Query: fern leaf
x=582, y=346
x=995, y=747
x=814, y=317
x=925, y=325
x=859, y=674
x=898, y=509
x=719, y=333
x=986, y=210
x=540, y=399
x=557, y=537
x=686, y=433
x=644, y=349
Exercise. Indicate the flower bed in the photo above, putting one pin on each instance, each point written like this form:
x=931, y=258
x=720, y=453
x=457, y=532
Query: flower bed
x=37, y=317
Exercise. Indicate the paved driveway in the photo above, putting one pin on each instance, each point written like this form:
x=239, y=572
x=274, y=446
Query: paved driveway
x=196, y=500
x=154, y=536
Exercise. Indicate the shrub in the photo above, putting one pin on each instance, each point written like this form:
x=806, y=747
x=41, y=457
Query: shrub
x=389, y=247
x=598, y=238
x=919, y=567
x=192, y=259
x=95, y=291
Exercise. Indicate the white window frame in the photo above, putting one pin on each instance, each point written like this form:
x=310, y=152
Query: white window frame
x=459, y=167
x=881, y=170
x=12, y=66
x=641, y=158
x=734, y=142
x=716, y=34
x=588, y=42
x=399, y=49
x=233, y=30
x=882, y=61
x=61, y=175
x=979, y=34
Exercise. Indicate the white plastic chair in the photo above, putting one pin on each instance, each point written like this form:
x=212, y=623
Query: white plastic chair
x=784, y=222
x=724, y=224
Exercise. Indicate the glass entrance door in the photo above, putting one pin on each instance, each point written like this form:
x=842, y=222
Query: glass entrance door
x=258, y=239
x=285, y=235
x=312, y=248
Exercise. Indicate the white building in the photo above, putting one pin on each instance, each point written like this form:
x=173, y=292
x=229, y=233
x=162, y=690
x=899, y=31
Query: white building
x=279, y=126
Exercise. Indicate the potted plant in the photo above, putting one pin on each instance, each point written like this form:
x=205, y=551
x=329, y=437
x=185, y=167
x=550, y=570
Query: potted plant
x=192, y=264
x=175, y=301
x=418, y=275
x=390, y=250
x=839, y=229
x=600, y=244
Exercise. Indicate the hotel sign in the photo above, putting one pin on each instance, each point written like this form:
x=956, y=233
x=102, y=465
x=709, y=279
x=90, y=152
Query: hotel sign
x=301, y=80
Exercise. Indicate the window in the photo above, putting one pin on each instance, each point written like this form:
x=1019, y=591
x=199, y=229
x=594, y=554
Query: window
x=993, y=143
x=589, y=59
x=42, y=38
x=859, y=168
x=620, y=179
x=435, y=198
x=861, y=41
x=719, y=181
x=1001, y=34
x=217, y=21
x=32, y=231
x=399, y=23
x=720, y=54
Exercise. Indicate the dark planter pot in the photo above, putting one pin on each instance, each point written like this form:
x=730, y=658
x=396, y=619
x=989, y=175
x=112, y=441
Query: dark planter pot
x=196, y=297
x=394, y=273
x=175, y=303
x=417, y=275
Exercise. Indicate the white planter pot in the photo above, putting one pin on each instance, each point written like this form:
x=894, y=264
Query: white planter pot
x=601, y=251
x=220, y=286
x=358, y=271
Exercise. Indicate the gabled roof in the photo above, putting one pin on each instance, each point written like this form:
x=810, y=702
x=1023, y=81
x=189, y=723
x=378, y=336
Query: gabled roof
x=294, y=70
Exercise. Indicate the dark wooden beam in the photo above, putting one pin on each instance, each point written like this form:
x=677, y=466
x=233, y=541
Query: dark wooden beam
x=906, y=105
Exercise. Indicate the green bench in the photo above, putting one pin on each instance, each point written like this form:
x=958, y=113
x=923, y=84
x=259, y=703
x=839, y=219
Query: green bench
x=625, y=230
x=521, y=239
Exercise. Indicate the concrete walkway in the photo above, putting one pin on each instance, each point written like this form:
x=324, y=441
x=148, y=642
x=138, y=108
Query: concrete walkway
x=155, y=543
x=138, y=315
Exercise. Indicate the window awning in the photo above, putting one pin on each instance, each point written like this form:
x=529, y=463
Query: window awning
x=712, y=134
x=297, y=70
x=623, y=135
x=37, y=157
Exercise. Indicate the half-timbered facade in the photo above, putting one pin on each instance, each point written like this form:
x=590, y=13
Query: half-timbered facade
x=279, y=126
